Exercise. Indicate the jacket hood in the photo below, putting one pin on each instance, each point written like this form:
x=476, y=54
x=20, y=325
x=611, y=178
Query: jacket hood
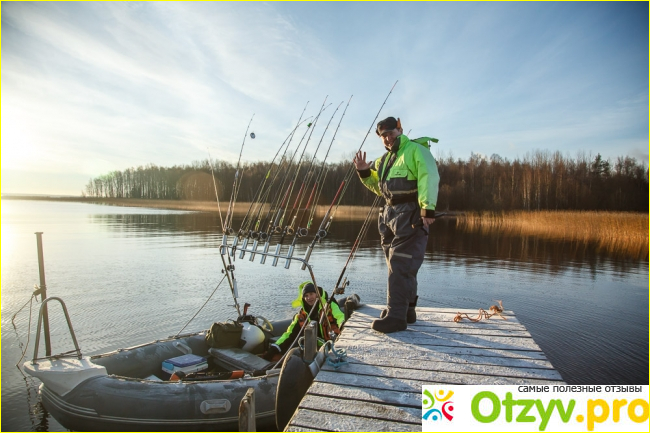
x=300, y=302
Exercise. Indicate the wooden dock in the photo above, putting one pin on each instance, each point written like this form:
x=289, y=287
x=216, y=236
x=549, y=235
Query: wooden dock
x=381, y=387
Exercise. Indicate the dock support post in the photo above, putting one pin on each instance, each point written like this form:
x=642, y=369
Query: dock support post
x=247, y=411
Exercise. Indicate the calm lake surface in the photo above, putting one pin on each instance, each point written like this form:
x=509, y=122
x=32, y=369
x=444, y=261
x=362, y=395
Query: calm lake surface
x=133, y=275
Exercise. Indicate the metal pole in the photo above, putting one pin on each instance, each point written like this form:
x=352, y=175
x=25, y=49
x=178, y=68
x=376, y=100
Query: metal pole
x=43, y=292
x=311, y=344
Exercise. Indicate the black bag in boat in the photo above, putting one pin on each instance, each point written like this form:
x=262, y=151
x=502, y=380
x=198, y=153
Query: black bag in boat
x=224, y=334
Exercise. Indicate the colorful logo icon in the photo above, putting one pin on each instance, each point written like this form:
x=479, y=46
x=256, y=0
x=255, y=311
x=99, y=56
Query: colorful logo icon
x=432, y=413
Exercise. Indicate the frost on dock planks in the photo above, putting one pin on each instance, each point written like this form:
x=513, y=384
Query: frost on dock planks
x=381, y=387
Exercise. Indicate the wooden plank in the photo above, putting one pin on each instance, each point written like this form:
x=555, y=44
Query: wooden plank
x=455, y=367
x=380, y=387
x=433, y=351
x=359, y=319
x=319, y=421
x=373, y=382
x=454, y=340
x=457, y=377
x=431, y=329
x=368, y=410
x=373, y=395
x=367, y=314
x=439, y=314
x=294, y=428
x=416, y=354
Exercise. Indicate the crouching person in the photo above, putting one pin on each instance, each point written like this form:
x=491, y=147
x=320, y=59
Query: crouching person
x=308, y=296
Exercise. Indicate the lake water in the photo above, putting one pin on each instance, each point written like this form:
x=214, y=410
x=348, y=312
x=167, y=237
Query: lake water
x=133, y=275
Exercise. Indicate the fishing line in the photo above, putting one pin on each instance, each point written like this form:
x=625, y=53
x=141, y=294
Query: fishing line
x=29, y=327
x=278, y=223
x=310, y=172
x=281, y=201
x=236, y=184
x=261, y=194
x=324, y=227
x=254, y=232
x=214, y=181
x=327, y=218
x=206, y=303
x=357, y=244
x=323, y=170
x=275, y=204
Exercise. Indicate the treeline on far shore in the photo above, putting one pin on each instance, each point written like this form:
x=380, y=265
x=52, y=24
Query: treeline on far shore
x=541, y=181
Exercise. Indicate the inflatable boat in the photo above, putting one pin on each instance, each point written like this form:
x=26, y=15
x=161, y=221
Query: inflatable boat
x=179, y=384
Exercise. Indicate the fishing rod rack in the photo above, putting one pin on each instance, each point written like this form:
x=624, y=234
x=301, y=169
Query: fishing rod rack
x=251, y=248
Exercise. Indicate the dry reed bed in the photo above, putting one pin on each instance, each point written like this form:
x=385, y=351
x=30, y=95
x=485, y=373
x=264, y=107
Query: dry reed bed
x=615, y=232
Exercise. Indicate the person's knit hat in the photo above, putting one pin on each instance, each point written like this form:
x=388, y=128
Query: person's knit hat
x=303, y=289
x=308, y=288
x=388, y=124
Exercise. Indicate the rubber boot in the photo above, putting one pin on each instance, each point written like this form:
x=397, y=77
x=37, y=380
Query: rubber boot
x=352, y=302
x=388, y=325
x=411, y=317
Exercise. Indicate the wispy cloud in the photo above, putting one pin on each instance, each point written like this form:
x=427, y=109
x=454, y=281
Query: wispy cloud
x=92, y=87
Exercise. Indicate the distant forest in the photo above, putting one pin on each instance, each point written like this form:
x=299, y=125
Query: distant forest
x=543, y=181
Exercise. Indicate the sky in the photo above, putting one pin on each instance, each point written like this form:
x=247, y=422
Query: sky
x=89, y=88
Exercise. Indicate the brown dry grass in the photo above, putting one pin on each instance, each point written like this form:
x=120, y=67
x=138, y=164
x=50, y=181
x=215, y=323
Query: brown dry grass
x=615, y=232
x=622, y=233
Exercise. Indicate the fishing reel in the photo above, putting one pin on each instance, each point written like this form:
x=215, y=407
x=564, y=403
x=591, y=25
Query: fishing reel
x=321, y=234
x=228, y=231
x=255, y=235
x=229, y=268
x=302, y=232
x=290, y=231
x=341, y=289
x=263, y=236
x=277, y=229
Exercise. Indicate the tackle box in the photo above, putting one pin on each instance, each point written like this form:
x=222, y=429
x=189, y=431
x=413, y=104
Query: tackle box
x=186, y=363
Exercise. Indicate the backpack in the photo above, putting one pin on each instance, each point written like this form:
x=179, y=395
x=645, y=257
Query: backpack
x=224, y=334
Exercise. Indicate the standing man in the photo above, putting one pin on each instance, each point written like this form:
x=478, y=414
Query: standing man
x=407, y=177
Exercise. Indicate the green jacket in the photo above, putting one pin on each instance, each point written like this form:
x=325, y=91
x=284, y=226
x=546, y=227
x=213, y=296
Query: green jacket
x=413, y=175
x=335, y=317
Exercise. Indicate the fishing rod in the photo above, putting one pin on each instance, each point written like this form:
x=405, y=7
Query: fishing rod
x=327, y=218
x=319, y=184
x=214, y=181
x=235, y=185
x=352, y=169
x=261, y=194
x=229, y=268
x=254, y=232
x=276, y=204
x=277, y=224
x=257, y=232
x=270, y=220
x=281, y=200
x=309, y=173
x=315, y=193
x=338, y=287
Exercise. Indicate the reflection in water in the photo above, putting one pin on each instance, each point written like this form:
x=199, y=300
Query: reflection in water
x=446, y=242
x=130, y=276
